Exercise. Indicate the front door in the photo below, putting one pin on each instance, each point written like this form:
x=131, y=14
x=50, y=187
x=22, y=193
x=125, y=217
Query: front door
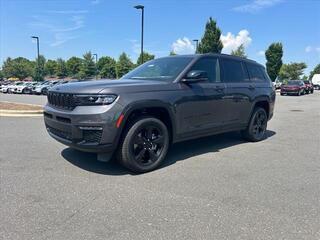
x=202, y=106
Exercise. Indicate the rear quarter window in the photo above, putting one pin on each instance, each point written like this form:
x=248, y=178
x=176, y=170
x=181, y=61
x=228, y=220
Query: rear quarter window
x=256, y=73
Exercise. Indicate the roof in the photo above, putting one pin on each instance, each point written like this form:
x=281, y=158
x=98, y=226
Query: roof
x=218, y=55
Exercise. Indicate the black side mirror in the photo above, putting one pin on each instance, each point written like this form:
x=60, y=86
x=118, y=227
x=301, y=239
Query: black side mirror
x=196, y=76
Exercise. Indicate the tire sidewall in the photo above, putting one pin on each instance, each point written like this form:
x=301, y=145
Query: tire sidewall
x=126, y=156
x=250, y=129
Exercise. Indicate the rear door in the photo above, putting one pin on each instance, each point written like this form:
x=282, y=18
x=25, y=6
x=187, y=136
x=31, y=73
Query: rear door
x=239, y=92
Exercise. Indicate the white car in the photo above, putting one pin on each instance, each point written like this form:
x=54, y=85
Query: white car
x=10, y=87
x=24, y=88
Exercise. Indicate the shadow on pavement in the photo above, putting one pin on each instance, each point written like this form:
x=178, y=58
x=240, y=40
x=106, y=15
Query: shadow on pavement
x=177, y=152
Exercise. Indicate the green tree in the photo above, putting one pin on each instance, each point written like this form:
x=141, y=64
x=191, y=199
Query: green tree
x=292, y=71
x=316, y=70
x=107, y=67
x=146, y=57
x=1, y=75
x=88, y=67
x=73, y=65
x=124, y=65
x=19, y=68
x=39, y=71
x=240, y=52
x=210, y=42
x=172, y=53
x=50, y=68
x=61, y=69
x=274, y=55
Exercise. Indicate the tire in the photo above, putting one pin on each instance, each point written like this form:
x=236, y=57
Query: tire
x=281, y=94
x=257, y=126
x=145, y=145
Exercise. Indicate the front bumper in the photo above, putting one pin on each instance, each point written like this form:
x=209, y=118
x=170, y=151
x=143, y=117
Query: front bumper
x=86, y=128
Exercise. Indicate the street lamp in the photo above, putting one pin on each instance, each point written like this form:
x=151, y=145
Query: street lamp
x=197, y=43
x=142, y=20
x=96, y=57
x=38, y=53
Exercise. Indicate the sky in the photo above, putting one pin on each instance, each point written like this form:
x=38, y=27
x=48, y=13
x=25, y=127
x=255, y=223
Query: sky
x=109, y=27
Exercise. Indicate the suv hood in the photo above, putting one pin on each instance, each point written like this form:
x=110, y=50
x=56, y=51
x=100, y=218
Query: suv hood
x=112, y=86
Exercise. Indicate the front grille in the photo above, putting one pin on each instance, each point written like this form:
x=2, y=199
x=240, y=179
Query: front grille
x=92, y=136
x=62, y=100
x=60, y=133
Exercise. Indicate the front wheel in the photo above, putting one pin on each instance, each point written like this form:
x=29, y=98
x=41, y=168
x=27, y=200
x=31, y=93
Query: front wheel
x=145, y=145
x=257, y=126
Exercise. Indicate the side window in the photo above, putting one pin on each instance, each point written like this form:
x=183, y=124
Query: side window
x=211, y=66
x=256, y=73
x=234, y=71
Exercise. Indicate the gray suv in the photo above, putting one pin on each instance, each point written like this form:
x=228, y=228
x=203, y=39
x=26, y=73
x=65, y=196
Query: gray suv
x=163, y=101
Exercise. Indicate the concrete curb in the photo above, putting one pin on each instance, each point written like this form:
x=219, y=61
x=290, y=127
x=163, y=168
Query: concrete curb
x=20, y=115
x=2, y=111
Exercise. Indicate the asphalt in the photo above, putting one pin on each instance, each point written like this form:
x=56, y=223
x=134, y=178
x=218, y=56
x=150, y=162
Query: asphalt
x=213, y=188
x=21, y=98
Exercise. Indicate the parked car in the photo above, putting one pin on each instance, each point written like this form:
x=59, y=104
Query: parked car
x=296, y=87
x=22, y=88
x=309, y=86
x=161, y=102
x=10, y=87
x=43, y=87
x=277, y=84
x=316, y=81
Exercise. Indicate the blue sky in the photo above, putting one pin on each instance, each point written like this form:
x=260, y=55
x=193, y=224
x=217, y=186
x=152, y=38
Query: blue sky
x=71, y=27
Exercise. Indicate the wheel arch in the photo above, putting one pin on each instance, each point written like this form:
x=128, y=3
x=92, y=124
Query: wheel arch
x=157, y=109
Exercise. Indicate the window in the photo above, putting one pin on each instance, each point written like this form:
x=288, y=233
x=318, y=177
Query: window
x=233, y=71
x=255, y=72
x=209, y=65
x=164, y=69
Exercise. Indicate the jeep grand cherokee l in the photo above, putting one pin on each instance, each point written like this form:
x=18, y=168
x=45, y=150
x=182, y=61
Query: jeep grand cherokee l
x=161, y=102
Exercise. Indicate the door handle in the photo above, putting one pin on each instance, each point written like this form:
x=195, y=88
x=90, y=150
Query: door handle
x=251, y=87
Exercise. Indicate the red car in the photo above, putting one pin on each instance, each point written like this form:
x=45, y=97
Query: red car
x=296, y=87
x=309, y=86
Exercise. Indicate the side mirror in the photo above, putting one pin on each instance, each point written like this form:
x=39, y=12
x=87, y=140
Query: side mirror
x=196, y=76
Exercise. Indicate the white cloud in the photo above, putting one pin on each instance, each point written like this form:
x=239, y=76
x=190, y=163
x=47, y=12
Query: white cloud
x=256, y=6
x=261, y=53
x=63, y=31
x=70, y=11
x=232, y=42
x=95, y=2
x=183, y=46
x=308, y=49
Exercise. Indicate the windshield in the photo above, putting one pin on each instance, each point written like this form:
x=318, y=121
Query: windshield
x=293, y=83
x=166, y=69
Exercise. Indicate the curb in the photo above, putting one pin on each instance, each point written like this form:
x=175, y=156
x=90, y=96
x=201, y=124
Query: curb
x=19, y=115
x=2, y=111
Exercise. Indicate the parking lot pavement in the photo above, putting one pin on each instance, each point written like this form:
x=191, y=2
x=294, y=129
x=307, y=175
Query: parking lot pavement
x=22, y=98
x=213, y=188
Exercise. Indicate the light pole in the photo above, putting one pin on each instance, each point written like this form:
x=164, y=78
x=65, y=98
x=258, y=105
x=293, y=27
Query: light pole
x=96, y=56
x=38, y=54
x=142, y=20
x=197, y=43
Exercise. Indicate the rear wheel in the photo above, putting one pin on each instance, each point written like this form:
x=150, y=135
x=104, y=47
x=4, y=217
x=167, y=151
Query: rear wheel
x=257, y=126
x=145, y=145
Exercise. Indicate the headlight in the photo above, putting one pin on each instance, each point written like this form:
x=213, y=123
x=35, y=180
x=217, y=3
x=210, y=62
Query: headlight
x=88, y=100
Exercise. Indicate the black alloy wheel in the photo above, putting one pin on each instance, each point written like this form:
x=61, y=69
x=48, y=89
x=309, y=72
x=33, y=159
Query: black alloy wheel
x=145, y=145
x=257, y=127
